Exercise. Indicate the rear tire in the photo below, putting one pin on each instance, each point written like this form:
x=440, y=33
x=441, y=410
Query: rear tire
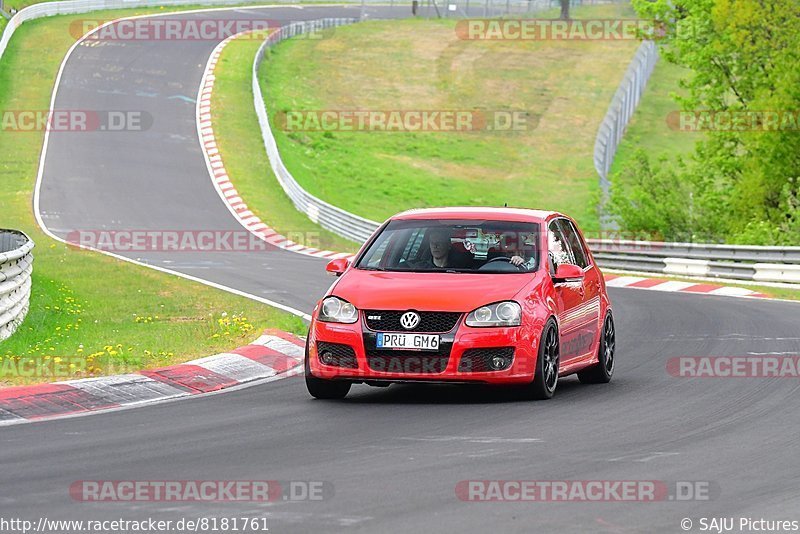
x=319, y=388
x=603, y=370
x=545, y=378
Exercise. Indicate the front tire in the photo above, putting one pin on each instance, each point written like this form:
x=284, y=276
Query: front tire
x=545, y=378
x=320, y=388
x=603, y=370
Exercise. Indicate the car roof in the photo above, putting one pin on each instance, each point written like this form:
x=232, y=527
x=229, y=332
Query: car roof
x=499, y=214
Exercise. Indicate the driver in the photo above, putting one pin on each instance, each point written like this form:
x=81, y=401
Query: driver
x=509, y=247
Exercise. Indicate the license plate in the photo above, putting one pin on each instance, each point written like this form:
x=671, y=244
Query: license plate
x=408, y=341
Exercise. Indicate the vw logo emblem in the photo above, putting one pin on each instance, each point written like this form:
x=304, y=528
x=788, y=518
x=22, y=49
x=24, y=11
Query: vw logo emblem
x=409, y=320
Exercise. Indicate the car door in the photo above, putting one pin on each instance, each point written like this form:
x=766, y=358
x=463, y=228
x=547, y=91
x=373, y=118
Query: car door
x=569, y=295
x=589, y=315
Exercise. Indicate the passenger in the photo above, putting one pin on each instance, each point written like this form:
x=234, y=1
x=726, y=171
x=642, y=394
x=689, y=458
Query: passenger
x=441, y=247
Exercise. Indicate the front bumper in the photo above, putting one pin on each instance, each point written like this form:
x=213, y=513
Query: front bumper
x=456, y=361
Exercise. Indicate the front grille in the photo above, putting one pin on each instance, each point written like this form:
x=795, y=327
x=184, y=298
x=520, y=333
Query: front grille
x=430, y=322
x=340, y=355
x=480, y=360
x=408, y=361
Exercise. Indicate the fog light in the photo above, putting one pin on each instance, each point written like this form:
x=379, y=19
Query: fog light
x=327, y=358
x=498, y=362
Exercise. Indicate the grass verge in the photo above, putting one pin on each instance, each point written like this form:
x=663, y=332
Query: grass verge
x=239, y=141
x=100, y=314
x=563, y=88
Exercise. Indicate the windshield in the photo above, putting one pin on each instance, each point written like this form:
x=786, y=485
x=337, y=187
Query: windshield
x=454, y=246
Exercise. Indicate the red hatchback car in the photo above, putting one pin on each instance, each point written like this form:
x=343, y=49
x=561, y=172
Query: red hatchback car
x=473, y=295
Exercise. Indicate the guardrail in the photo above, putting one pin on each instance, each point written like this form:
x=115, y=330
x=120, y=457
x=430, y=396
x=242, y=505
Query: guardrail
x=326, y=215
x=753, y=263
x=357, y=228
x=621, y=109
x=730, y=262
x=764, y=264
x=16, y=266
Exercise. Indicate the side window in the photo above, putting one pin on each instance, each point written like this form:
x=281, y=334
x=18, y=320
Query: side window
x=374, y=260
x=574, y=241
x=413, y=244
x=558, y=247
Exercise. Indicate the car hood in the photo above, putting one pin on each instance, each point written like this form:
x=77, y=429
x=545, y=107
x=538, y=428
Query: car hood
x=462, y=292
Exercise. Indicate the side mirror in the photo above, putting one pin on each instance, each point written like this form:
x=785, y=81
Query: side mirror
x=567, y=272
x=338, y=266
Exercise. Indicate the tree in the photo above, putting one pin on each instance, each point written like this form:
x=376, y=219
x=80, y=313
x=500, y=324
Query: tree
x=744, y=56
x=565, y=9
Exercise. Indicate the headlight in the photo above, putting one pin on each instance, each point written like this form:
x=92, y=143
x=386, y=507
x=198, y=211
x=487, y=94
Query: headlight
x=336, y=310
x=507, y=313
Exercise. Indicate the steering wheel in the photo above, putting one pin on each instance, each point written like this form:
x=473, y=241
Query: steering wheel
x=505, y=259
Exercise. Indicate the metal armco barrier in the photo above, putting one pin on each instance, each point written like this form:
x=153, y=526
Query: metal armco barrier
x=621, y=109
x=335, y=219
x=731, y=262
x=754, y=263
x=764, y=264
x=16, y=266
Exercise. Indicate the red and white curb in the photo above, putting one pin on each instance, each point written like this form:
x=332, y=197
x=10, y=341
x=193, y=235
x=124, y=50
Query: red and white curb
x=219, y=176
x=275, y=354
x=657, y=284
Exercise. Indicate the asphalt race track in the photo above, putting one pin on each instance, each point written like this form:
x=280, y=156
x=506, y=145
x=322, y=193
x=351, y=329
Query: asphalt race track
x=157, y=179
x=393, y=456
